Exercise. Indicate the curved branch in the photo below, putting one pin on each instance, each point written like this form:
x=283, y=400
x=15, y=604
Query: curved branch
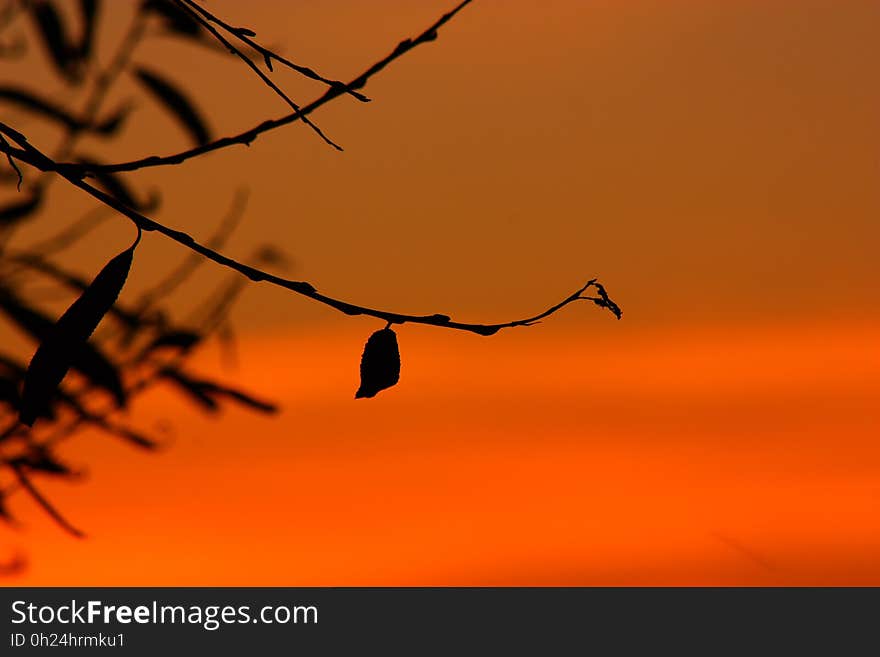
x=33, y=156
x=247, y=137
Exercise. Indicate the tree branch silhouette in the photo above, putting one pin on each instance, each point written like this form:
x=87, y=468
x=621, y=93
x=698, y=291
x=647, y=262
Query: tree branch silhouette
x=247, y=137
x=244, y=35
x=32, y=156
x=191, y=8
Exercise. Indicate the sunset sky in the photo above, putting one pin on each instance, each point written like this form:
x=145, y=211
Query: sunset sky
x=713, y=162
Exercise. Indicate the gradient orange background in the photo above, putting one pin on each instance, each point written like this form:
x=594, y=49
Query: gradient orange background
x=715, y=163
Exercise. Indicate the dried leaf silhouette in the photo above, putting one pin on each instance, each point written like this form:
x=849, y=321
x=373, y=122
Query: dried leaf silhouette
x=380, y=364
x=34, y=104
x=64, y=55
x=69, y=335
x=19, y=209
x=177, y=103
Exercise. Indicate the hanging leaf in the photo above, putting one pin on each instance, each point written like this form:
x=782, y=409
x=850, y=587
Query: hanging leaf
x=380, y=364
x=64, y=55
x=88, y=359
x=177, y=102
x=69, y=335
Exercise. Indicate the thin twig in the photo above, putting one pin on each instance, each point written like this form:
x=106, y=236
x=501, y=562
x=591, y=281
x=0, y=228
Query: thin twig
x=248, y=137
x=177, y=276
x=12, y=164
x=243, y=35
x=185, y=6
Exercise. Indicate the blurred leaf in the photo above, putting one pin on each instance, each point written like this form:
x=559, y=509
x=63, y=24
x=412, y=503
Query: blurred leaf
x=88, y=10
x=177, y=103
x=183, y=340
x=86, y=358
x=63, y=53
x=34, y=104
x=380, y=364
x=39, y=458
x=13, y=212
x=174, y=18
x=217, y=390
x=206, y=393
x=111, y=125
x=194, y=389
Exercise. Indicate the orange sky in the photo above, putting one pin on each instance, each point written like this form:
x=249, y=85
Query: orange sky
x=713, y=162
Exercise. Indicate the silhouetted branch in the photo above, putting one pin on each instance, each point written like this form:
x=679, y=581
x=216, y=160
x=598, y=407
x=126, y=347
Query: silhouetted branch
x=193, y=261
x=186, y=6
x=247, y=137
x=243, y=34
x=12, y=163
x=33, y=156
